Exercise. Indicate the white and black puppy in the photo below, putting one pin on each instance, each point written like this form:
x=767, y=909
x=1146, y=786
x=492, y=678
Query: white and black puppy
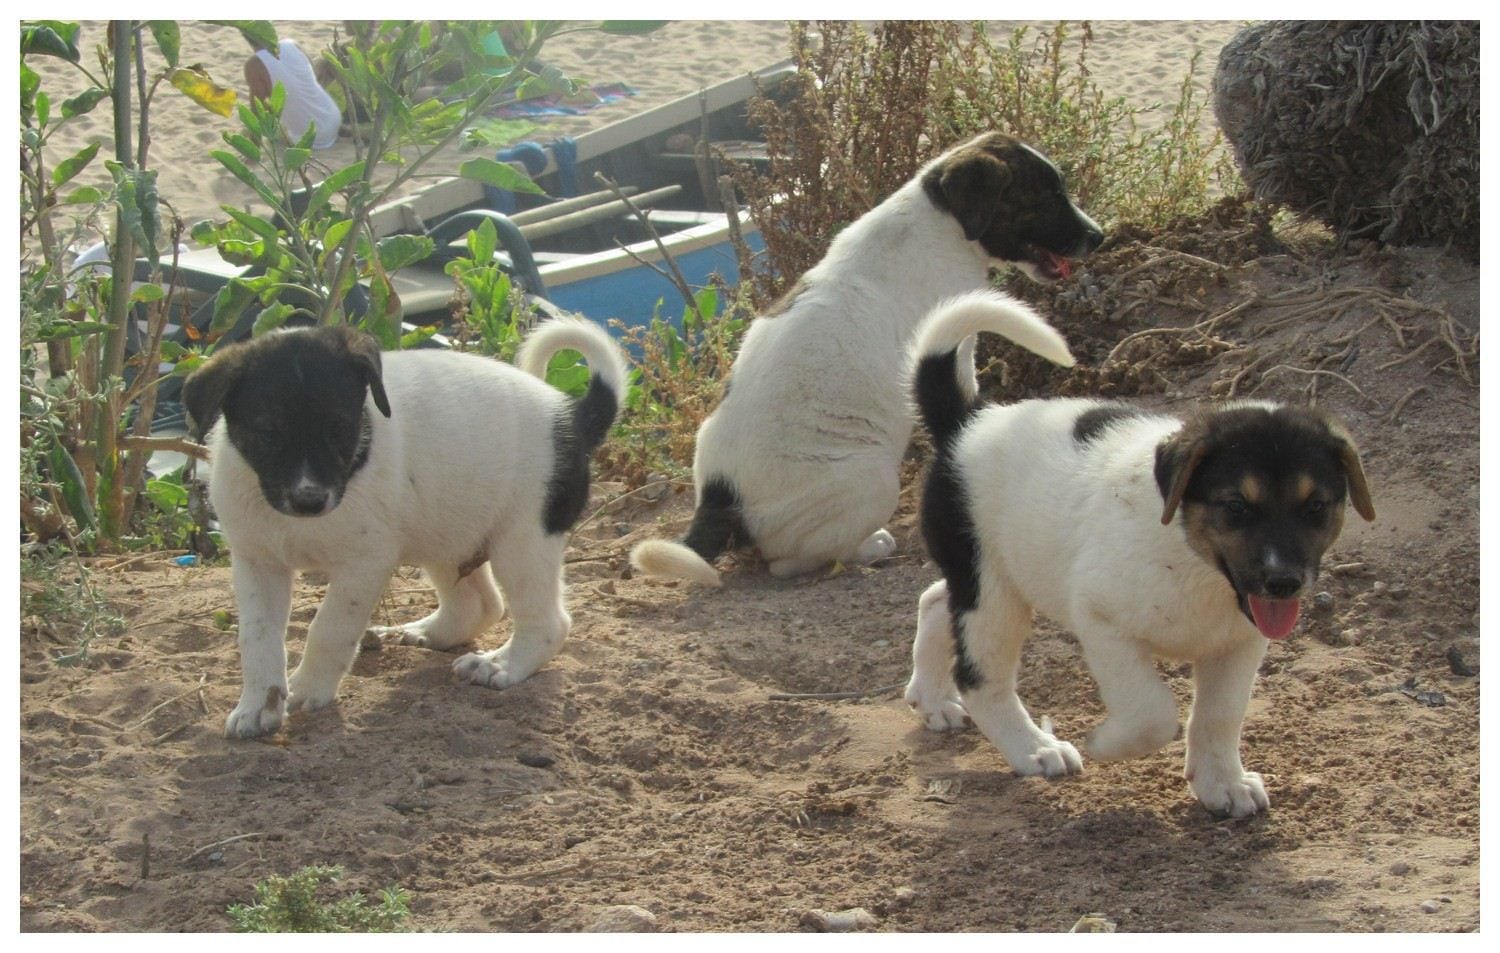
x=1142, y=534
x=802, y=456
x=330, y=456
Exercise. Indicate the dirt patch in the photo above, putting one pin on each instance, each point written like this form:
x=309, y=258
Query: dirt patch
x=649, y=764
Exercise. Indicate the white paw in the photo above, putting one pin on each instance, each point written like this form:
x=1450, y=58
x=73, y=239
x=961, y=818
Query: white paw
x=1225, y=794
x=1118, y=738
x=490, y=669
x=1050, y=757
x=305, y=695
x=939, y=711
x=398, y=635
x=878, y=545
x=254, y=717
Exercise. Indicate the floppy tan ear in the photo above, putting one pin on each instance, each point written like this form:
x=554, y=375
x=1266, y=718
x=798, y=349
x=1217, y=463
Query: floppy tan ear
x=1354, y=472
x=1176, y=460
x=969, y=185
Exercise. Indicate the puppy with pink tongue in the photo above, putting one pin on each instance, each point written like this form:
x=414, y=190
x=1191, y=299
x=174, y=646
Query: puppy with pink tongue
x=1144, y=535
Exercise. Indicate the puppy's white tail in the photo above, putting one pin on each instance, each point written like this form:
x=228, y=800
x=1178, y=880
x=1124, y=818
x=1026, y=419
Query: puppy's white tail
x=946, y=326
x=604, y=358
x=660, y=557
x=595, y=411
x=943, y=376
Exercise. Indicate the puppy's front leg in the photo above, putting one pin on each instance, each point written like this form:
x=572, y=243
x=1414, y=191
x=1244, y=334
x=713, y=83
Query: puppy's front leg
x=334, y=635
x=1142, y=711
x=1221, y=693
x=930, y=691
x=263, y=592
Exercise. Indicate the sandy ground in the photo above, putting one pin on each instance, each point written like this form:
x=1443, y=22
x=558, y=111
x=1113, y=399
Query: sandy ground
x=650, y=764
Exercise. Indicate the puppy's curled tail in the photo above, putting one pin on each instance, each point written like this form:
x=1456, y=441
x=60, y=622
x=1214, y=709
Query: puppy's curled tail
x=595, y=411
x=944, y=385
x=717, y=523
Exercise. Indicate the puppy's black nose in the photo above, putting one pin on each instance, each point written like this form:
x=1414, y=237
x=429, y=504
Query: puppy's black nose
x=1093, y=238
x=1283, y=586
x=308, y=500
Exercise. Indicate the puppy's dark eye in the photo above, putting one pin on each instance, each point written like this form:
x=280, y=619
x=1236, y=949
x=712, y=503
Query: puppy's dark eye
x=1315, y=508
x=1235, y=508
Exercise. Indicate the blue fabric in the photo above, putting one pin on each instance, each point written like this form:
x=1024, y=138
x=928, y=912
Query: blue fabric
x=532, y=156
x=565, y=153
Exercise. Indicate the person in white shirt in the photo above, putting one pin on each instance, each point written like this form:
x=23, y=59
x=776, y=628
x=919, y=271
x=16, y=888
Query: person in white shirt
x=307, y=102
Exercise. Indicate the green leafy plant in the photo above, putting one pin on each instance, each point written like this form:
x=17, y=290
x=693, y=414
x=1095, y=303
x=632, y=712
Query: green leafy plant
x=676, y=383
x=291, y=905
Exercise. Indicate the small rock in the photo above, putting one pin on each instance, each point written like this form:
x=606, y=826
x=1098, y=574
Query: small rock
x=625, y=918
x=839, y=921
x=1400, y=868
x=1094, y=923
x=1459, y=665
x=903, y=896
x=1379, y=587
x=1323, y=602
x=607, y=587
x=536, y=760
x=1431, y=906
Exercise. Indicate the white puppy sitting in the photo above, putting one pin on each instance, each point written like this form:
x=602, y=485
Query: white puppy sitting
x=1142, y=534
x=328, y=455
x=802, y=456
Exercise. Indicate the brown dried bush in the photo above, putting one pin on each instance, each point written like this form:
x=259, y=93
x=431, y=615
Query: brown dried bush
x=1370, y=127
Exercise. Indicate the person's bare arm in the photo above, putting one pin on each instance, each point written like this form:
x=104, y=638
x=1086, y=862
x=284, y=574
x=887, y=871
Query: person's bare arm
x=257, y=78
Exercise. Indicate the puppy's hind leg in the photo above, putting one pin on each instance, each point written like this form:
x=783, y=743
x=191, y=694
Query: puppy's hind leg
x=529, y=567
x=467, y=605
x=989, y=641
x=334, y=635
x=931, y=691
x=1221, y=693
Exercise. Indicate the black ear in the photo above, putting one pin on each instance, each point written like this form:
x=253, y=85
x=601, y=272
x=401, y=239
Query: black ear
x=364, y=351
x=1177, y=458
x=207, y=388
x=969, y=188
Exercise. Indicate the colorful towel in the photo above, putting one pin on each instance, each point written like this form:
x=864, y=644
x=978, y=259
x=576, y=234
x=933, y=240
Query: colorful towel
x=590, y=97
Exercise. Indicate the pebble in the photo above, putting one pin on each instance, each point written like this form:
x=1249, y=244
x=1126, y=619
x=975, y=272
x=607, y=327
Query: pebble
x=839, y=921
x=536, y=760
x=903, y=896
x=1323, y=602
x=1094, y=923
x=1431, y=906
x=1400, y=868
x=625, y=918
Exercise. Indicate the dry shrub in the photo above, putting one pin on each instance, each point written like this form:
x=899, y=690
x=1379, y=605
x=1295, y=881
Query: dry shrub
x=867, y=109
x=1369, y=127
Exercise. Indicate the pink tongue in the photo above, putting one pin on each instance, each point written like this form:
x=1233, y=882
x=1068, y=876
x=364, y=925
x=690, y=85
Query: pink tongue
x=1059, y=264
x=1275, y=618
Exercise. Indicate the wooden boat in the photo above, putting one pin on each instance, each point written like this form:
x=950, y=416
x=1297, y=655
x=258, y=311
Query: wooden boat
x=589, y=253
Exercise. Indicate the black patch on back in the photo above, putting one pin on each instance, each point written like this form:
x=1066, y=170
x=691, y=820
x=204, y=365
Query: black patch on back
x=576, y=434
x=948, y=530
x=1092, y=423
x=717, y=522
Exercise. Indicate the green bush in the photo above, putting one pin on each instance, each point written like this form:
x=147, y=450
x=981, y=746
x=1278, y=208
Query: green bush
x=291, y=905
